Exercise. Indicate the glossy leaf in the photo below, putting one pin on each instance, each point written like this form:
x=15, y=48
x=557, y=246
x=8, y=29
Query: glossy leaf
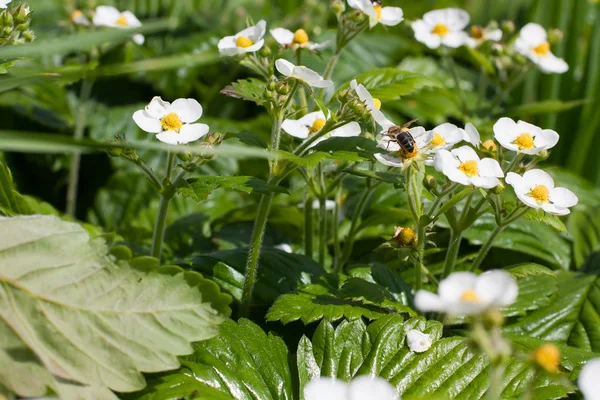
x=251, y=89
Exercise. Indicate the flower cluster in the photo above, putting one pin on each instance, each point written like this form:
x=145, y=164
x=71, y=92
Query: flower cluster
x=108, y=16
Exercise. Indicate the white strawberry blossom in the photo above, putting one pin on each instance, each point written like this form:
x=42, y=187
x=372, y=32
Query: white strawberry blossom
x=524, y=137
x=389, y=16
x=249, y=40
x=312, y=123
x=464, y=293
x=533, y=44
x=464, y=166
x=302, y=73
x=442, y=28
x=299, y=38
x=471, y=135
x=536, y=189
x=360, y=388
x=172, y=123
x=396, y=156
x=588, y=381
x=113, y=18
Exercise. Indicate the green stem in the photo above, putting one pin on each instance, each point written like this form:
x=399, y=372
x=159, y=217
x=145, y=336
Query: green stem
x=496, y=375
x=515, y=161
x=332, y=62
x=254, y=252
x=486, y=247
x=80, y=123
x=301, y=92
x=322, y=216
x=302, y=147
x=452, y=252
x=335, y=226
x=308, y=226
x=163, y=208
x=419, y=265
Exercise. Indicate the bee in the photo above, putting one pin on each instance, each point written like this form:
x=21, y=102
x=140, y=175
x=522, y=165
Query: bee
x=403, y=138
x=376, y=2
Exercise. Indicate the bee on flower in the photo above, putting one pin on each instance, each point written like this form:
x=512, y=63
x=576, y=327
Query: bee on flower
x=480, y=35
x=249, y=40
x=298, y=39
x=378, y=14
x=313, y=123
x=464, y=166
x=464, y=293
x=113, y=18
x=523, y=137
x=442, y=28
x=361, y=387
x=403, y=145
x=536, y=190
x=302, y=73
x=173, y=123
x=533, y=44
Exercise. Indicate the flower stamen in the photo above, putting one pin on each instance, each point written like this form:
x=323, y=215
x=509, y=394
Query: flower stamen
x=171, y=122
x=437, y=140
x=378, y=11
x=469, y=168
x=440, y=29
x=542, y=49
x=470, y=296
x=524, y=141
x=477, y=32
x=547, y=356
x=376, y=103
x=540, y=193
x=317, y=125
x=300, y=37
x=121, y=21
x=244, y=42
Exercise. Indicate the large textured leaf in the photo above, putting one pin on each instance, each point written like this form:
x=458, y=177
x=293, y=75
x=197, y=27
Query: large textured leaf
x=572, y=316
x=199, y=188
x=92, y=321
x=449, y=369
x=278, y=272
x=241, y=363
x=251, y=89
x=11, y=202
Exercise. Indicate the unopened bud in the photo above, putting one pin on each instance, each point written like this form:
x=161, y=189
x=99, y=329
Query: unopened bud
x=272, y=84
x=508, y=27
x=7, y=31
x=283, y=88
x=7, y=18
x=430, y=183
x=269, y=95
x=29, y=36
x=265, y=51
x=493, y=24
x=555, y=36
x=214, y=138
x=114, y=152
x=184, y=156
x=499, y=188
x=489, y=145
x=358, y=17
x=520, y=60
x=403, y=237
x=21, y=14
x=23, y=27
x=544, y=154
x=497, y=49
x=547, y=356
x=359, y=108
x=338, y=7
x=343, y=96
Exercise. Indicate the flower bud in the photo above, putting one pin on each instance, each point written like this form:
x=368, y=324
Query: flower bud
x=343, y=96
x=492, y=24
x=271, y=84
x=265, y=51
x=430, y=183
x=497, y=49
x=555, y=36
x=338, y=7
x=6, y=18
x=114, y=152
x=21, y=14
x=508, y=27
x=269, y=95
x=283, y=88
x=23, y=27
x=359, y=108
x=547, y=356
x=519, y=59
x=489, y=145
x=214, y=138
x=544, y=154
x=7, y=31
x=184, y=156
x=403, y=237
x=498, y=188
x=358, y=17
x=29, y=36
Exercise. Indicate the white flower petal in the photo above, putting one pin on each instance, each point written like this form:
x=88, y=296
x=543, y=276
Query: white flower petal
x=444, y=158
x=465, y=153
x=472, y=135
x=192, y=132
x=513, y=179
x=588, y=381
x=168, y=137
x=497, y=288
x=284, y=67
x=454, y=39
x=388, y=160
x=227, y=46
x=418, y=341
x=282, y=36
x=428, y=39
x=456, y=175
x=547, y=139
x=132, y=20
x=146, y=122
x=494, y=35
x=371, y=387
x=454, y=18
x=106, y=16
x=349, y=130
x=357, y=4
x=326, y=389
x=188, y=110
x=391, y=16
x=536, y=177
x=485, y=182
x=488, y=167
x=157, y=107
x=426, y=301
x=554, y=209
x=454, y=286
x=563, y=197
x=552, y=64
x=533, y=34
x=505, y=132
x=295, y=128
x=139, y=39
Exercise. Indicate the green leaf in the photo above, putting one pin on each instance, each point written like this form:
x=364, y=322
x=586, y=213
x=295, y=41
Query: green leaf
x=242, y=363
x=479, y=59
x=200, y=187
x=449, y=369
x=546, y=218
x=362, y=146
x=92, y=321
x=572, y=316
x=388, y=177
x=352, y=298
x=392, y=84
x=278, y=272
x=11, y=202
x=251, y=89
x=545, y=107
x=525, y=270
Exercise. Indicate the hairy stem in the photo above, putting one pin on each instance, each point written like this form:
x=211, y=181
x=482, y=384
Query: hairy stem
x=452, y=252
x=80, y=122
x=420, y=266
x=496, y=375
x=485, y=249
x=308, y=226
x=163, y=208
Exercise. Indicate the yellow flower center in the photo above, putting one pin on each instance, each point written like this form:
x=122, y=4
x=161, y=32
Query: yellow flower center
x=469, y=168
x=378, y=11
x=121, y=21
x=547, y=356
x=317, y=125
x=540, y=193
x=524, y=141
x=470, y=297
x=489, y=145
x=440, y=29
x=437, y=140
x=477, y=32
x=243, y=42
x=300, y=37
x=171, y=122
x=542, y=49
x=376, y=103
